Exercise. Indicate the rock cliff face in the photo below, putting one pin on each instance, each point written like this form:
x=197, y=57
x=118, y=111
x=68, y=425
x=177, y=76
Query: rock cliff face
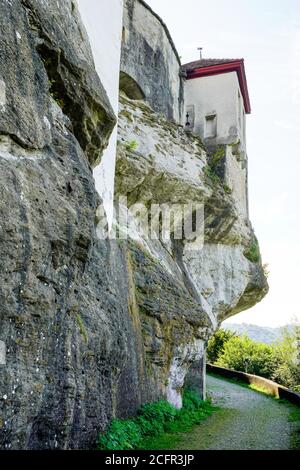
x=182, y=293
x=93, y=328
x=53, y=110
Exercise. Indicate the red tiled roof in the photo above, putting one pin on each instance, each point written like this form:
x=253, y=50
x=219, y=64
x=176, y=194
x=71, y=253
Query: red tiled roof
x=197, y=64
x=208, y=67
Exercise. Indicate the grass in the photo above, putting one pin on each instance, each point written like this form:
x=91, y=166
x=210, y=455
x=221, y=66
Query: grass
x=294, y=413
x=156, y=426
x=294, y=419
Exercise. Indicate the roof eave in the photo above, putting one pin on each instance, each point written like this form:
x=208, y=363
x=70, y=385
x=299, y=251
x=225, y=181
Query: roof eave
x=237, y=66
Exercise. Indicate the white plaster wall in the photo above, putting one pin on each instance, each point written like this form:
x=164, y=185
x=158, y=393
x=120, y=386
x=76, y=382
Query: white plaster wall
x=236, y=179
x=219, y=94
x=216, y=94
x=103, y=22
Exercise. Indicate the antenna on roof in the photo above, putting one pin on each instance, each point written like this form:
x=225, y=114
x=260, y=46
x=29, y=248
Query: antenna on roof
x=200, y=49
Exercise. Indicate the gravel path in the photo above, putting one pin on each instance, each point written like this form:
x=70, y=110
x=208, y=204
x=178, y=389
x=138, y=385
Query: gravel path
x=247, y=420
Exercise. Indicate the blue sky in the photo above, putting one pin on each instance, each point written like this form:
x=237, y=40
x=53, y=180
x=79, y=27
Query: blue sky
x=267, y=35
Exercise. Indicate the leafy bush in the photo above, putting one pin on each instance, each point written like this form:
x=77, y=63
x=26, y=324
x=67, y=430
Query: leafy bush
x=243, y=354
x=287, y=359
x=216, y=157
x=154, y=419
x=211, y=174
x=279, y=362
x=121, y=435
x=193, y=411
x=227, y=189
x=216, y=344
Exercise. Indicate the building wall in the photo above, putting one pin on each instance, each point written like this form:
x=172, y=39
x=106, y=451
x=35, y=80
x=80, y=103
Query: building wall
x=236, y=178
x=217, y=95
x=220, y=96
x=150, y=58
x=103, y=22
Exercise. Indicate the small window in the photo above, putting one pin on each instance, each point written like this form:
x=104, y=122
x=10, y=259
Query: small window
x=190, y=117
x=123, y=34
x=211, y=126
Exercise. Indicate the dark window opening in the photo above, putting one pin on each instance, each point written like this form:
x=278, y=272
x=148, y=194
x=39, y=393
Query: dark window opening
x=129, y=86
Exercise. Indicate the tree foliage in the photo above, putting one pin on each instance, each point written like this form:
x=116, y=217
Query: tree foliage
x=279, y=362
x=241, y=353
x=216, y=344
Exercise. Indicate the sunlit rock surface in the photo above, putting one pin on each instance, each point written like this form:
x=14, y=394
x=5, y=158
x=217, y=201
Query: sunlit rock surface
x=158, y=162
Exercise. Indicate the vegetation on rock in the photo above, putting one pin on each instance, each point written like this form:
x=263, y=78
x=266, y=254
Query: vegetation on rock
x=252, y=253
x=152, y=421
x=131, y=145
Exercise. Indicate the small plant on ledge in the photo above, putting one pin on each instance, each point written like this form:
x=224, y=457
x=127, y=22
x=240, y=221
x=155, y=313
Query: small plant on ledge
x=131, y=145
x=212, y=175
x=252, y=253
x=227, y=189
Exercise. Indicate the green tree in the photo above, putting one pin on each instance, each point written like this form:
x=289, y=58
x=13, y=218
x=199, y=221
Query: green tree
x=243, y=354
x=287, y=358
x=216, y=344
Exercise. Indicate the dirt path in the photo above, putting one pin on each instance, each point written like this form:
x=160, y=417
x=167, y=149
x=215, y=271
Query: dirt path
x=247, y=420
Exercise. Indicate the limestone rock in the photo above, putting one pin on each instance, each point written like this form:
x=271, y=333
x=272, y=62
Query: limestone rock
x=55, y=119
x=92, y=328
x=166, y=165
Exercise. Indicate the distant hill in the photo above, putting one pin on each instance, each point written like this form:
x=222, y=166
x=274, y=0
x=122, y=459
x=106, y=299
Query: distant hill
x=262, y=334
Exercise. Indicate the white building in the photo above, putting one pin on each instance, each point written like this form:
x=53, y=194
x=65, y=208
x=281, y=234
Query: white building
x=216, y=102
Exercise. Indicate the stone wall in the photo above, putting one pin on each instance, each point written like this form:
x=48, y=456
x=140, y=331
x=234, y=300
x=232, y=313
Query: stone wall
x=270, y=387
x=150, y=58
